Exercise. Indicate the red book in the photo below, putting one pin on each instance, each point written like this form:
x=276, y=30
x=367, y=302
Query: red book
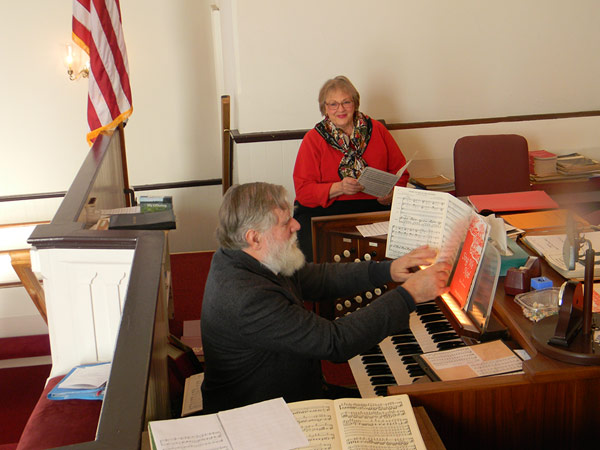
x=469, y=260
x=542, y=162
x=512, y=201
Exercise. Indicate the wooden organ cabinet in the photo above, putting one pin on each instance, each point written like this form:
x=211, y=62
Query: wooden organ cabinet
x=550, y=404
x=346, y=244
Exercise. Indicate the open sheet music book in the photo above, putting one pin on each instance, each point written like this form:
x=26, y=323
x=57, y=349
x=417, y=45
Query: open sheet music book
x=385, y=423
x=420, y=217
x=265, y=425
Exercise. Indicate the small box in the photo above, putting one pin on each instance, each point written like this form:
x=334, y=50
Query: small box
x=541, y=283
x=539, y=304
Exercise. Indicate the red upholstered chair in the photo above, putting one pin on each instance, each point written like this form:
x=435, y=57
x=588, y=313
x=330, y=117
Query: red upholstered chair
x=491, y=164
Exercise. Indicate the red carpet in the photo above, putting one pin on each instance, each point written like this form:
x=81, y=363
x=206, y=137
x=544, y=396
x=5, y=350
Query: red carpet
x=24, y=346
x=20, y=388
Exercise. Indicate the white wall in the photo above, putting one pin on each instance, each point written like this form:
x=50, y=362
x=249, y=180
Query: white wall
x=173, y=134
x=414, y=61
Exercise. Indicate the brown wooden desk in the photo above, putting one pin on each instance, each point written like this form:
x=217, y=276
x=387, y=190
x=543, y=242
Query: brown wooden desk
x=551, y=405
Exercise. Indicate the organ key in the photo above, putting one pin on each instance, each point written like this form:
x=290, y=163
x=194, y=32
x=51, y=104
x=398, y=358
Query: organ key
x=392, y=362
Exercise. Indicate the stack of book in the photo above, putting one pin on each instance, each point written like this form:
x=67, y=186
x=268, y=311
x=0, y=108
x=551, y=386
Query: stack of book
x=577, y=164
x=570, y=167
x=542, y=163
x=437, y=183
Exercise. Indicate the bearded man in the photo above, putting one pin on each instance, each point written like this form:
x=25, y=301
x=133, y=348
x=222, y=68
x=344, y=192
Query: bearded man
x=259, y=340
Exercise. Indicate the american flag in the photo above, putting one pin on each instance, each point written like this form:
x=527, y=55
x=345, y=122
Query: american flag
x=97, y=30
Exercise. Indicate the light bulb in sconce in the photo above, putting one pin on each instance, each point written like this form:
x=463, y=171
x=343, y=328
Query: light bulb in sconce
x=75, y=68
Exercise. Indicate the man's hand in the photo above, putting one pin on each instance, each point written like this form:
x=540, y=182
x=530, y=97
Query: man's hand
x=428, y=283
x=400, y=268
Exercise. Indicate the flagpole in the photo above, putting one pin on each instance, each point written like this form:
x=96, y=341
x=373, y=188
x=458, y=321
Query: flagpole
x=126, y=188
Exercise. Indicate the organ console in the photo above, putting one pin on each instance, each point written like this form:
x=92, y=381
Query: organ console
x=551, y=404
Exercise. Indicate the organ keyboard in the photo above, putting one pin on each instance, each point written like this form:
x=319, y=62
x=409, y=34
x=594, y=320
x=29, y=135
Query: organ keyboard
x=509, y=411
x=391, y=362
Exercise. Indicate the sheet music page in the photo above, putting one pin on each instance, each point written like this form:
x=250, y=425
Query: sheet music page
x=198, y=432
x=246, y=427
x=377, y=183
x=374, y=229
x=317, y=420
x=192, y=395
x=416, y=218
x=235, y=429
x=455, y=229
x=87, y=377
x=385, y=423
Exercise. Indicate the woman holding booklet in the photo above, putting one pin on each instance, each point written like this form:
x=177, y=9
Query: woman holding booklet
x=333, y=155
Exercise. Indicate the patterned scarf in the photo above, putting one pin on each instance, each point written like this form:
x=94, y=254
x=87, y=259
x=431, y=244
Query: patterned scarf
x=352, y=147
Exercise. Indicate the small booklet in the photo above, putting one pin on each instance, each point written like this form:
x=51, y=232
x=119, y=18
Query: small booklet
x=384, y=423
x=159, y=220
x=265, y=425
x=379, y=183
x=85, y=382
x=480, y=360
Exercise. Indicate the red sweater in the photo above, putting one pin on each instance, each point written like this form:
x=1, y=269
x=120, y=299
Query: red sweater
x=317, y=164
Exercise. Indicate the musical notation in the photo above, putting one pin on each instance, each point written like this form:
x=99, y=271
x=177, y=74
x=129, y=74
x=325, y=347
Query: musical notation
x=420, y=217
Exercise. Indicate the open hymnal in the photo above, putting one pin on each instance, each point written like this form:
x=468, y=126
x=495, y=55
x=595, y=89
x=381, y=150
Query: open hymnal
x=384, y=423
x=265, y=425
x=420, y=217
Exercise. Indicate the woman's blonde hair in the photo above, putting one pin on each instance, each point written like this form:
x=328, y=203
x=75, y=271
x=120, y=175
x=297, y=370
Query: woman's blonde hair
x=338, y=83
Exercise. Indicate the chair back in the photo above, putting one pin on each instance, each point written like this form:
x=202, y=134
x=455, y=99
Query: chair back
x=491, y=164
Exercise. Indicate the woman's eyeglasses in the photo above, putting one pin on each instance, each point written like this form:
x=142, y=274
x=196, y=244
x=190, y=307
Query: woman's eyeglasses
x=335, y=105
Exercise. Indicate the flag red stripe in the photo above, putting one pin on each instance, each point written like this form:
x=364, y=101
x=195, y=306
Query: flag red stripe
x=103, y=81
x=93, y=119
x=109, y=97
x=81, y=31
x=111, y=37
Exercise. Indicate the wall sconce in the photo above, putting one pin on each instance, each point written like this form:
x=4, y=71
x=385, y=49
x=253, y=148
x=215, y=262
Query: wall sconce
x=73, y=60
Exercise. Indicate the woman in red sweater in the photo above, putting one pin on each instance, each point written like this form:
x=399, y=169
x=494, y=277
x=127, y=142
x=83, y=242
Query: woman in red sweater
x=332, y=156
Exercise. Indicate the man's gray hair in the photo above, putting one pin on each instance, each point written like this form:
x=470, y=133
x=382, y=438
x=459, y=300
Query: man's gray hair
x=249, y=207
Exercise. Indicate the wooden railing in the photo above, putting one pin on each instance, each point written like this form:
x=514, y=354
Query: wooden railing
x=137, y=389
x=233, y=136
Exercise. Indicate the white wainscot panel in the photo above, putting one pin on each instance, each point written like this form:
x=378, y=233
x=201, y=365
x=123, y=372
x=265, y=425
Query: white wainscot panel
x=85, y=292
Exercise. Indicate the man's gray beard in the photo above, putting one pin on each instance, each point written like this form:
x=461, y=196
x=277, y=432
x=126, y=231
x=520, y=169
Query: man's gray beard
x=284, y=258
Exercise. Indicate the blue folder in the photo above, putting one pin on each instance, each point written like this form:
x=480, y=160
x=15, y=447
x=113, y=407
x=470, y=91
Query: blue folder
x=60, y=393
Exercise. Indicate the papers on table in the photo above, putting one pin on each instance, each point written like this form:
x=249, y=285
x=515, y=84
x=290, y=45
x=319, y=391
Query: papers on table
x=373, y=229
x=550, y=246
